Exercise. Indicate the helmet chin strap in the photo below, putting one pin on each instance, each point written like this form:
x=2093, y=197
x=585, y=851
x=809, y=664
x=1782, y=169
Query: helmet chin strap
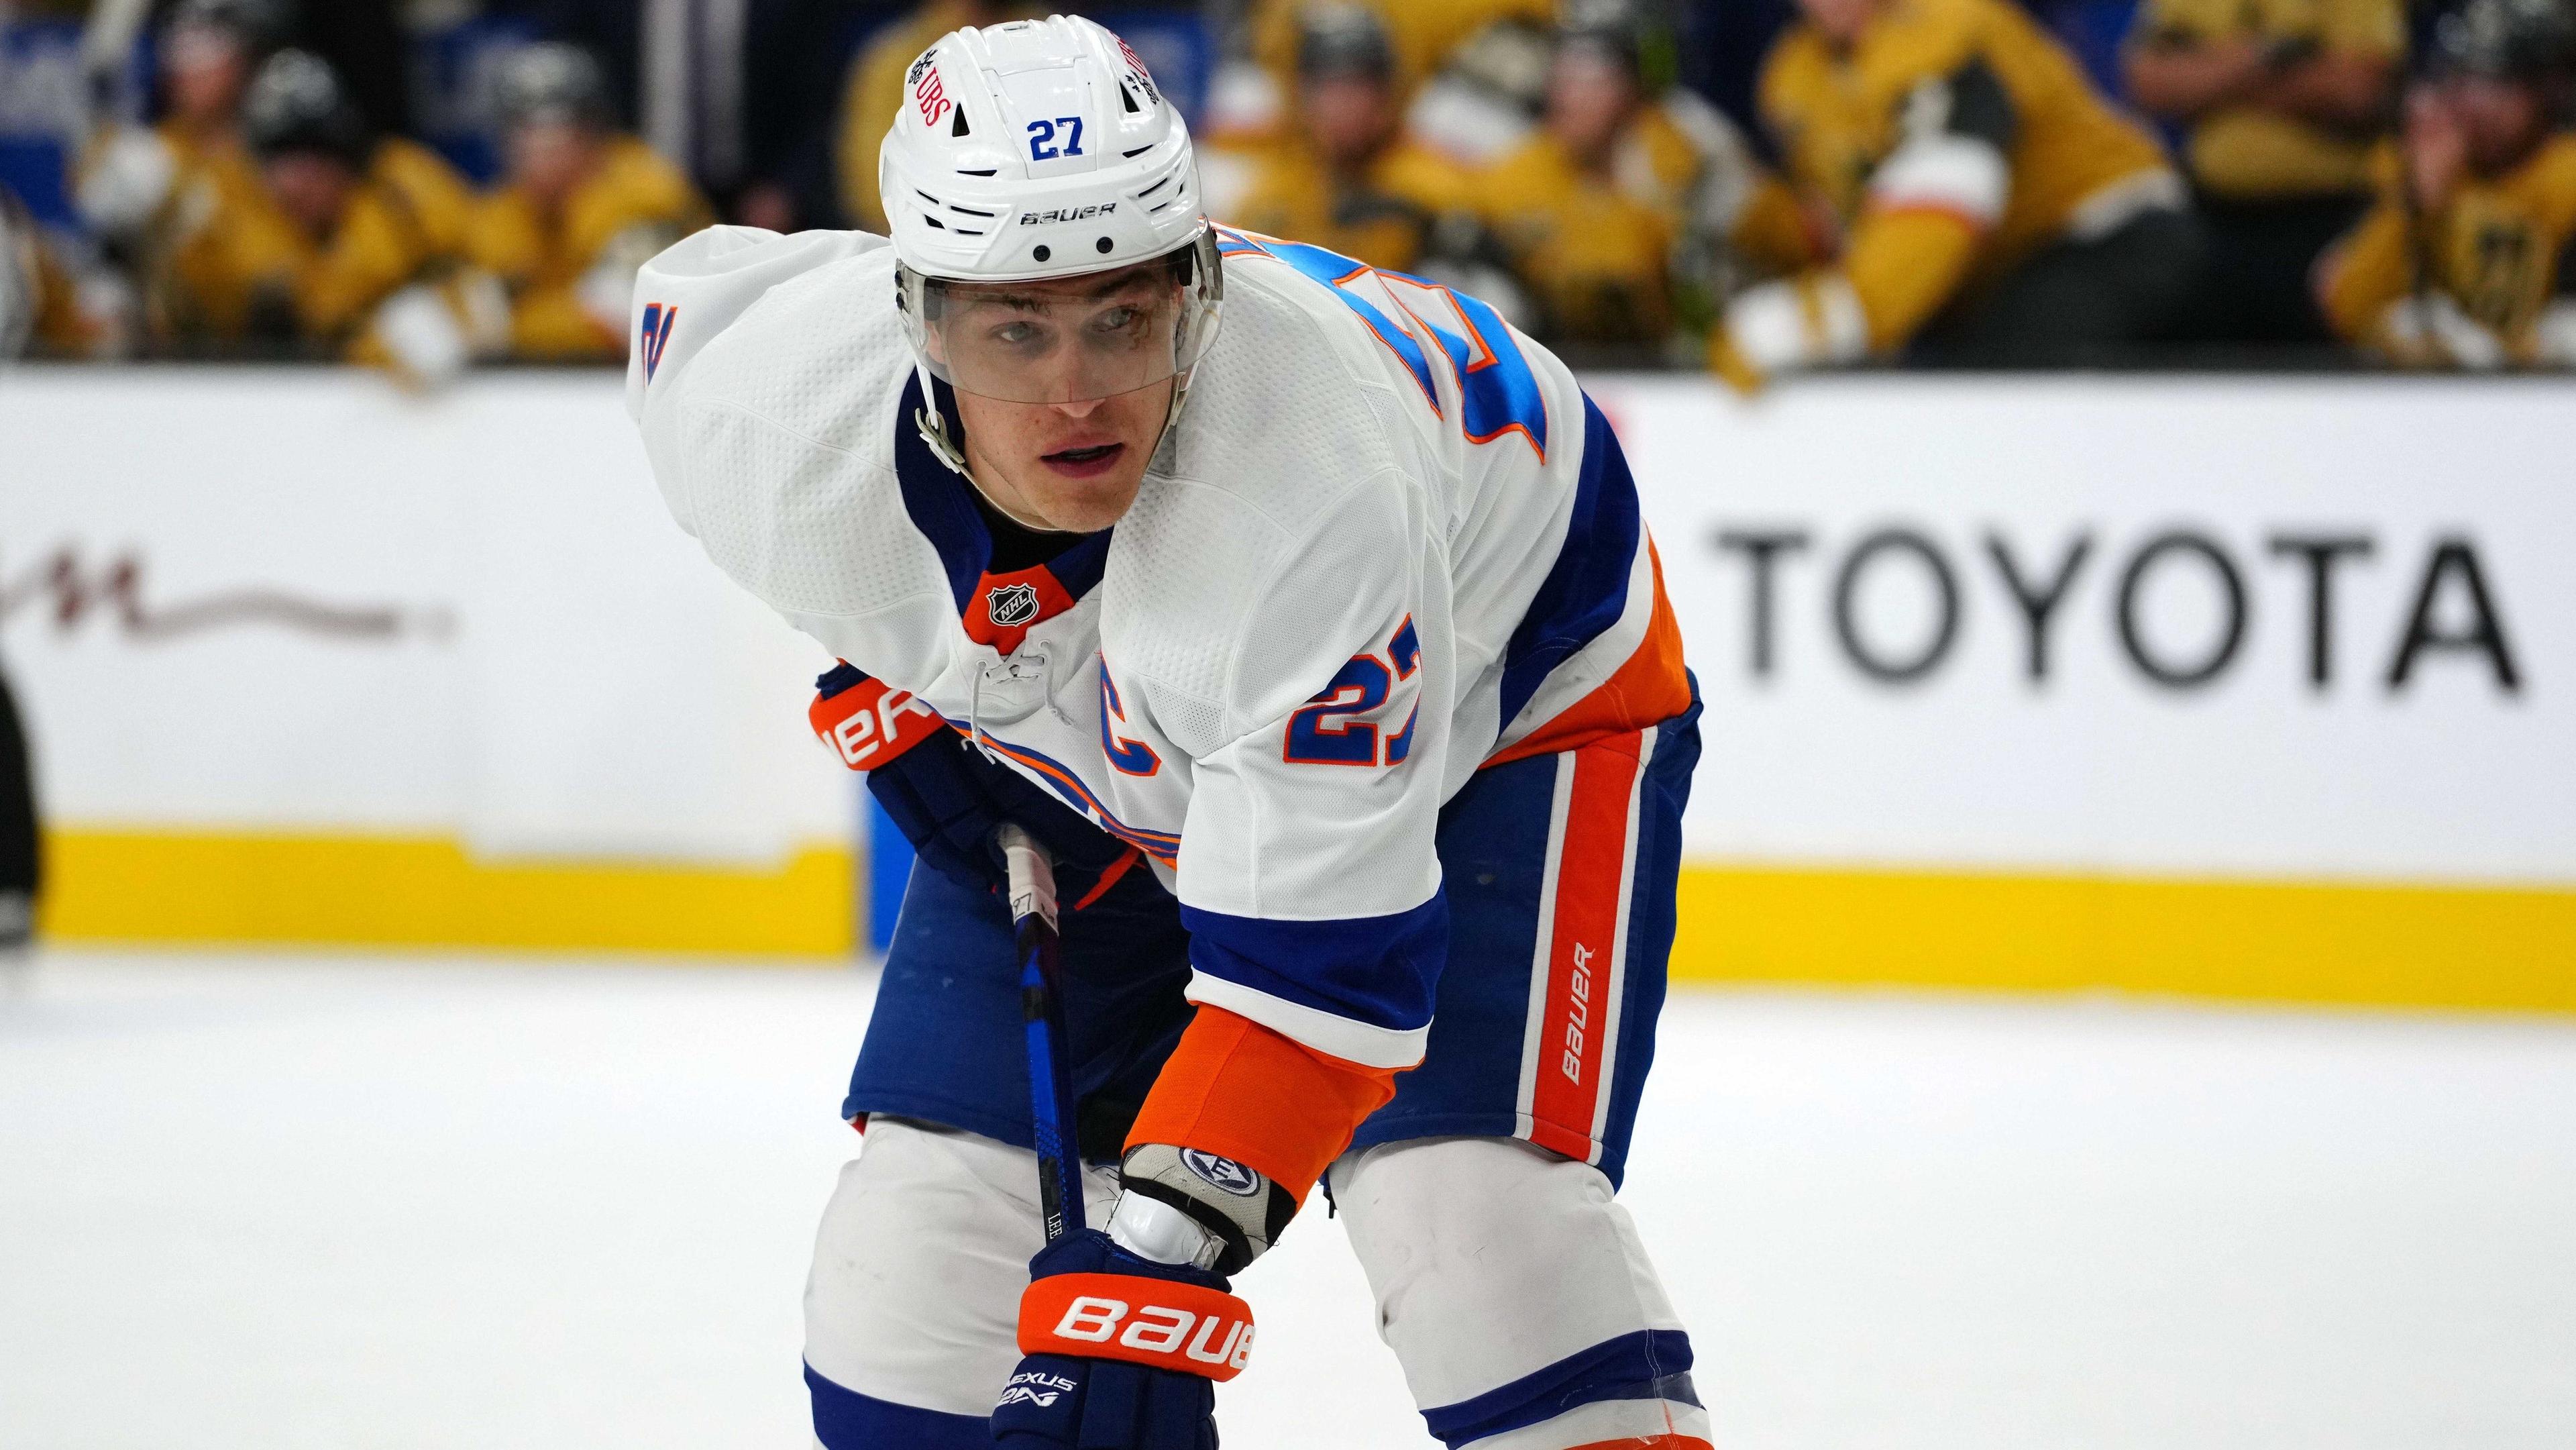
x=933, y=426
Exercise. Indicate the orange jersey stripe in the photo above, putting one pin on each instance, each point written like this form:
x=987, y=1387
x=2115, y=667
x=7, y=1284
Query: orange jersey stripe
x=1652, y=687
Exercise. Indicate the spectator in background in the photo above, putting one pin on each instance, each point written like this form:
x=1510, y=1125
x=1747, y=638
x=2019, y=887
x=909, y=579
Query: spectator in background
x=2282, y=101
x=739, y=94
x=1615, y=212
x=2467, y=259
x=333, y=225
x=1344, y=177
x=874, y=91
x=39, y=313
x=581, y=207
x=355, y=233
x=1252, y=101
x=1988, y=208
x=149, y=195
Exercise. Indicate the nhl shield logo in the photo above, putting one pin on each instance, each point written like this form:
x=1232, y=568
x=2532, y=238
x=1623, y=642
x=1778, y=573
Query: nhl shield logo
x=1012, y=604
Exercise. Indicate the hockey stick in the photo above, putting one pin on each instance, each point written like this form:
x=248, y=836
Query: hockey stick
x=1033, y=934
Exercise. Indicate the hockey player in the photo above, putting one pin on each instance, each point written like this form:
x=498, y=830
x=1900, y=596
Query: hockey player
x=1992, y=209
x=1327, y=649
x=2469, y=259
x=580, y=208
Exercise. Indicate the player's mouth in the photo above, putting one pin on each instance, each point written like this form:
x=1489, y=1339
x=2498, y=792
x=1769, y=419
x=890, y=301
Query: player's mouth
x=1088, y=462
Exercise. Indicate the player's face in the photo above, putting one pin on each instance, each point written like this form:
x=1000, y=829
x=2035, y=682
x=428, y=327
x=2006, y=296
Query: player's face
x=1842, y=21
x=312, y=189
x=1588, y=100
x=206, y=71
x=2500, y=116
x=1063, y=386
x=550, y=159
x=1347, y=117
x=1069, y=466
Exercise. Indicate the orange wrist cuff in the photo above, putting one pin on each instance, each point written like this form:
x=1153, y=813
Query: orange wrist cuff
x=1185, y=1327
x=1239, y=1090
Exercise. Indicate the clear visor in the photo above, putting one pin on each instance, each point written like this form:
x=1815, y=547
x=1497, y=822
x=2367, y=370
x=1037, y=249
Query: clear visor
x=1067, y=339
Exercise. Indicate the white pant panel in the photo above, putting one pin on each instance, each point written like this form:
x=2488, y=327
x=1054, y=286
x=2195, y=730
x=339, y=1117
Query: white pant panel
x=1492, y=1259
x=918, y=1266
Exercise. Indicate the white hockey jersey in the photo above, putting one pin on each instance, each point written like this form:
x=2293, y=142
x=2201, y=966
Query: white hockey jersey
x=1390, y=542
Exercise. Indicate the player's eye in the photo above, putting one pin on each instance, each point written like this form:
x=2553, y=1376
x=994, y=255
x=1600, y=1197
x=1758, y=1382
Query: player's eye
x=1017, y=334
x=1119, y=319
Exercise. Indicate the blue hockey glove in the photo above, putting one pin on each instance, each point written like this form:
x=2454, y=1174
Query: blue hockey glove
x=942, y=793
x=1122, y=1353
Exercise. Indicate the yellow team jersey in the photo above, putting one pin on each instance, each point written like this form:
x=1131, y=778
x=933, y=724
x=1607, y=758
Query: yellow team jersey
x=634, y=206
x=1839, y=113
x=1596, y=258
x=246, y=268
x=1951, y=143
x=1421, y=33
x=55, y=325
x=2246, y=152
x=873, y=91
x=212, y=242
x=1383, y=217
x=2499, y=250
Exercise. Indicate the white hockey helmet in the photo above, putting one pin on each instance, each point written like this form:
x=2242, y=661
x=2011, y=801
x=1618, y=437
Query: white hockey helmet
x=1027, y=161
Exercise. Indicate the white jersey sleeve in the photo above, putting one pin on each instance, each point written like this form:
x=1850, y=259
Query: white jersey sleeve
x=1291, y=641
x=765, y=376
x=1310, y=884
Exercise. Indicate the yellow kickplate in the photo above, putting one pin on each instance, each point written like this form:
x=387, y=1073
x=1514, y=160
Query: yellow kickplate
x=2407, y=945
x=156, y=886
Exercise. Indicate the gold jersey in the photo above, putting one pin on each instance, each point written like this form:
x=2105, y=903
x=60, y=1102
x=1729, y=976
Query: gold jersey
x=246, y=268
x=1839, y=114
x=2251, y=152
x=1950, y=143
x=1596, y=257
x=1422, y=33
x=633, y=206
x=2498, y=250
x=1382, y=217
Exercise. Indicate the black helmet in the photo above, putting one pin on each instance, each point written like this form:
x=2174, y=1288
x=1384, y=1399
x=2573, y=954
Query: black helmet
x=2525, y=40
x=552, y=81
x=256, y=24
x=296, y=104
x=1339, y=38
x=1619, y=30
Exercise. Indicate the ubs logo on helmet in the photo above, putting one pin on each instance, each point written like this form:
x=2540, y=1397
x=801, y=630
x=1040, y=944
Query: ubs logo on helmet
x=929, y=93
x=1011, y=604
x=1144, y=77
x=1067, y=214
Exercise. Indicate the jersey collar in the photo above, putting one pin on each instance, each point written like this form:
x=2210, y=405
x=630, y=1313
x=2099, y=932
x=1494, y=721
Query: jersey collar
x=997, y=609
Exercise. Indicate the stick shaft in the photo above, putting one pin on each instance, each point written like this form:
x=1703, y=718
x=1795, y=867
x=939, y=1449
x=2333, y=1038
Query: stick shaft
x=1051, y=1105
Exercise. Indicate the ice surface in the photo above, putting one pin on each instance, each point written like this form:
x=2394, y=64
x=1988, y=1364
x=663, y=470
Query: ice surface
x=374, y=1204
